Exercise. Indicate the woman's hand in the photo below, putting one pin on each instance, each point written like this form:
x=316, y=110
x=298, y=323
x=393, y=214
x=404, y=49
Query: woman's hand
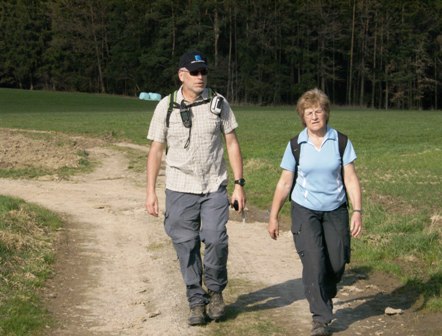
x=273, y=228
x=356, y=224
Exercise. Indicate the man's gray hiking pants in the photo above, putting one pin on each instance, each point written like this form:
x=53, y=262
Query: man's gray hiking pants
x=189, y=220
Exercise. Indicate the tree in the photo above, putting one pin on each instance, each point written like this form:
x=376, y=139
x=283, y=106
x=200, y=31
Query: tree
x=25, y=34
x=377, y=52
x=79, y=46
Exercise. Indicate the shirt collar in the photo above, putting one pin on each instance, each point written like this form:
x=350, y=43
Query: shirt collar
x=204, y=95
x=329, y=135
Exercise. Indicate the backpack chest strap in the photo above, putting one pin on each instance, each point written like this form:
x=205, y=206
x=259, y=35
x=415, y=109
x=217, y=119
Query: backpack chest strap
x=174, y=105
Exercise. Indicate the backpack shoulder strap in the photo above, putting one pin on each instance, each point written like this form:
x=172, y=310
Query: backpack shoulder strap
x=342, y=139
x=172, y=104
x=342, y=143
x=296, y=150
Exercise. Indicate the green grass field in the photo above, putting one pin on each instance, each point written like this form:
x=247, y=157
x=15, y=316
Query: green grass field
x=26, y=257
x=399, y=164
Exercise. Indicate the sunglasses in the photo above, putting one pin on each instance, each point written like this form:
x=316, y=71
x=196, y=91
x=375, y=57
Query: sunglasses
x=194, y=73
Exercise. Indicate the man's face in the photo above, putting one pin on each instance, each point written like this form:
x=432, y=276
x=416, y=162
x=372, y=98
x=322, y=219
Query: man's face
x=193, y=81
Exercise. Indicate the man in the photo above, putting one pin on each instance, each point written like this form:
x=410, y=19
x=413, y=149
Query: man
x=191, y=123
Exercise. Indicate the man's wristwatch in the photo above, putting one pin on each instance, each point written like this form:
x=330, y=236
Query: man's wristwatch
x=241, y=182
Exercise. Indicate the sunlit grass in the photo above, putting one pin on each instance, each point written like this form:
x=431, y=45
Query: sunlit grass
x=26, y=254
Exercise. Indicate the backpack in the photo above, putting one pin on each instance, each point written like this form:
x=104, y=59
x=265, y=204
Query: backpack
x=215, y=103
x=296, y=150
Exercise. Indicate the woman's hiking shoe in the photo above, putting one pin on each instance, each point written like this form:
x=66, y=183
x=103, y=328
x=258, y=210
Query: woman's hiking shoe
x=197, y=315
x=320, y=329
x=216, y=306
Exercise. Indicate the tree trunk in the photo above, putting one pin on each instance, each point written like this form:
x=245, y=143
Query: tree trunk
x=229, y=59
x=97, y=49
x=373, y=78
x=435, y=84
x=350, y=70
x=362, y=65
x=216, y=31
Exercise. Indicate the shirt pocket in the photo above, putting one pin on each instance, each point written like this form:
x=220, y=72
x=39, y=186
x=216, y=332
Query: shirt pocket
x=211, y=125
x=177, y=134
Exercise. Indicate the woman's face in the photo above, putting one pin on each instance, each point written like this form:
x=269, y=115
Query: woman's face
x=315, y=118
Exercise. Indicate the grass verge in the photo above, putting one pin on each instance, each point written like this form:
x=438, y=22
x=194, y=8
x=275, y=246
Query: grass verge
x=30, y=154
x=26, y=255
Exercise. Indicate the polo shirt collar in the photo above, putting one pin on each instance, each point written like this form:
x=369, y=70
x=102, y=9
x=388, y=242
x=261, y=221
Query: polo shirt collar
x=329, y=135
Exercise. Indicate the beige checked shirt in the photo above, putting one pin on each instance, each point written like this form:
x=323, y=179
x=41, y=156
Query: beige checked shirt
x=200, y=168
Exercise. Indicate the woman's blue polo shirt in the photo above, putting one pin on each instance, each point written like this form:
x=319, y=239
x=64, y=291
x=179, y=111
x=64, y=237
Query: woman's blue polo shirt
x=319, y=184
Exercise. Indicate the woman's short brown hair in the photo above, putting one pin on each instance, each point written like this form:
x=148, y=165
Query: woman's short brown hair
x=312, y=98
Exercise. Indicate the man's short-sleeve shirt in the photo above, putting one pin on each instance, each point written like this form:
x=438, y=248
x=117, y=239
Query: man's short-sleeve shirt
x=200, y=167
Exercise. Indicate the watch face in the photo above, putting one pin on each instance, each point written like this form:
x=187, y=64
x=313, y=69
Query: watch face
x=241, y=182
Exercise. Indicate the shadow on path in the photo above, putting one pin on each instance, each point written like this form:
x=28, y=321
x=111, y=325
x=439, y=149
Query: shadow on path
x=276, y=296
x=404, y=297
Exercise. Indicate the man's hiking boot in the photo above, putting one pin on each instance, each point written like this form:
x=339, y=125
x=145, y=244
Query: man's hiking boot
x=320, y=329
x=216, y=306
x=197, y=315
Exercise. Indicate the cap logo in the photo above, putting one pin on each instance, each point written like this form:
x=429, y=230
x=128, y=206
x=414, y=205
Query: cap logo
x=192, y=60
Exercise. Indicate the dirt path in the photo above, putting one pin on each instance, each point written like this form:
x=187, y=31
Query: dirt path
x=117, y=273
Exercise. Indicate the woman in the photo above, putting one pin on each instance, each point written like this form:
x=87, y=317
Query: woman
x=320, y=219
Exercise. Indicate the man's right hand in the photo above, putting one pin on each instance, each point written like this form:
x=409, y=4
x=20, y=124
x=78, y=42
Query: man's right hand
x=152, y=204
x=273, y=228
x=152, y=170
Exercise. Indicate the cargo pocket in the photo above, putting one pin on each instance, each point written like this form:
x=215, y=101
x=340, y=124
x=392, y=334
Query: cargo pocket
x=167, y=226
x=297, y=236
